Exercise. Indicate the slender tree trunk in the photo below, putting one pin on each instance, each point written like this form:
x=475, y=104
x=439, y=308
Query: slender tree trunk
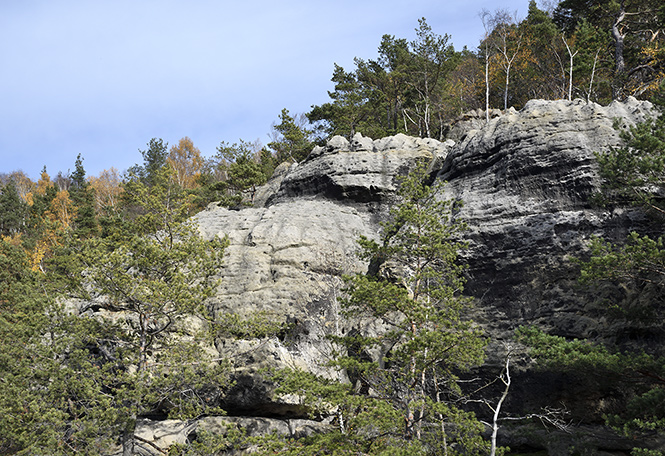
x=620, y=64
x=570, y=77
x=143, y=343
x=497, y=410
x=505, y=91
x=487, y=85
x=593, y=73
x=444, y=437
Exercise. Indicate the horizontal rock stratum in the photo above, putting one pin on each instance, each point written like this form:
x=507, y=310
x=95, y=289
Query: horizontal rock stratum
x=526, y=179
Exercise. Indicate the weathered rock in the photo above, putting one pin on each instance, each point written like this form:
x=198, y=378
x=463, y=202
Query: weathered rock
x=526, y=180
x=264, y=192
x=164, y=434
x=285, y=256
x=360, y=171
x=472, y=120
x=284, y=261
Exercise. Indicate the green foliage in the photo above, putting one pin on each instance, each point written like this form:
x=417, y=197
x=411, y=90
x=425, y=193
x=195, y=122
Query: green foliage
x=402, y=378
x=242, y=173
x=631, y=33
x=348, y=109
x=13, y=211
x=52, y=397
x=154, y=160
x=639, y=375
x=83, y=198
x=636, y=172
x=156, y=207
x=641, y=258
x=157, y=274
x=259, y=325
x=211, y=443
x=77, y=374
x=292, y=140
x=403, y=91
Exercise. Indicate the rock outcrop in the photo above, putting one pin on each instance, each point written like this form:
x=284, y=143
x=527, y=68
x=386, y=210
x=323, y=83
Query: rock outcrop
x=358, y=171
x=526, y=180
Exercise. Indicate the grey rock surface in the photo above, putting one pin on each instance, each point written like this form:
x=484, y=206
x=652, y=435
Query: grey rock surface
x=361, y=171
x=526, y=180
x=166, y=433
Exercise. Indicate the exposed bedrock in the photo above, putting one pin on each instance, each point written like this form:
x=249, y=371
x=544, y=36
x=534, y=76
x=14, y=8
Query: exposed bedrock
x=526, y=179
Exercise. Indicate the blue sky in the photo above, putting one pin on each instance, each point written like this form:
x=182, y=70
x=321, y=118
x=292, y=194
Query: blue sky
x=103, y=77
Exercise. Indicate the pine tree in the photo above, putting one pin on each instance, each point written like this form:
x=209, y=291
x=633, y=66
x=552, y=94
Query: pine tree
x=291, y=139
x=111, y=329
x=154, y=160
x=13, y=211
x=242, y=172
x=53, y=397
x=82, y=196
x=157, y=273
x=401, y=389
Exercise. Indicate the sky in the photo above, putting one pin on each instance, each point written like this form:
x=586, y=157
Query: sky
x=100, y=78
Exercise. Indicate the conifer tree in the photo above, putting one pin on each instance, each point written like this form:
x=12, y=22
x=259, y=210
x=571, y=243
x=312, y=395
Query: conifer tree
x=82, y=196
x=242, y=173
x=156, y=271
x=13, y=211
x=291, y=139
x=400, y=394
x=154, y=159
x=52, y=397
x=110, y=330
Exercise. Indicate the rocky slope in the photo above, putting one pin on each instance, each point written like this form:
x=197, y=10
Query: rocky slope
x=526, y=180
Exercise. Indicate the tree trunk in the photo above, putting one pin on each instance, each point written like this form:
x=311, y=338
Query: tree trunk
x=495, y=422
x=487, y=86
x=570, y=77
x=505, y=92
x=128, y=441
x=593, y=73
x=620, y=63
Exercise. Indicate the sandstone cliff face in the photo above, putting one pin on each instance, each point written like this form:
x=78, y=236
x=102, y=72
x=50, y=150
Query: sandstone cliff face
x=526, y=180
x=286, y=259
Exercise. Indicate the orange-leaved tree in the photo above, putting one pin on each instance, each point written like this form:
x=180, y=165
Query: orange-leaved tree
x=186, y=162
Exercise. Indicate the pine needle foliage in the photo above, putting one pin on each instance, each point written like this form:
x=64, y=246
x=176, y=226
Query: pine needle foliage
x=409, y=339
x=114, y=330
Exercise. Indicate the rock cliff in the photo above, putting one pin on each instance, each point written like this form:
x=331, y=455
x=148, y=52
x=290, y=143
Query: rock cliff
x=526, y=180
